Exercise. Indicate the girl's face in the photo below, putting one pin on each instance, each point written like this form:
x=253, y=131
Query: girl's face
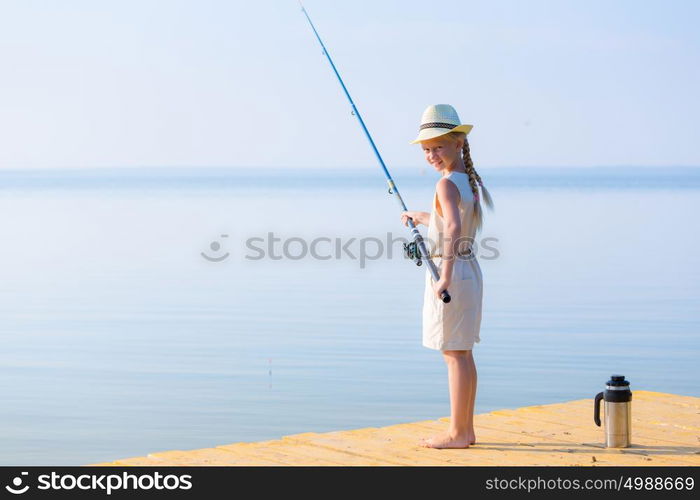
x=442, y=152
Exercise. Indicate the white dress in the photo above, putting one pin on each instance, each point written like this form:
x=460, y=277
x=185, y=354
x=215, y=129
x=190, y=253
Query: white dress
x=456, y=325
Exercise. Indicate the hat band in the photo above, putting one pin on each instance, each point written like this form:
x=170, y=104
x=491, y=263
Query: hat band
x=437, y=125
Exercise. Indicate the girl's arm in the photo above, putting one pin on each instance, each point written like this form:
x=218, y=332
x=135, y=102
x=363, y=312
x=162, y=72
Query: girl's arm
x=418, y=218
x=448, y=197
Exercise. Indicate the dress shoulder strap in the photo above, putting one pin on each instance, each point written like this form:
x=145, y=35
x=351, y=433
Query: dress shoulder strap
x=461, y=180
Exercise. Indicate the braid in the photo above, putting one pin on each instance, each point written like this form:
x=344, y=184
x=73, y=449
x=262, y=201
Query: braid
x=474, y=178
x=475, y=182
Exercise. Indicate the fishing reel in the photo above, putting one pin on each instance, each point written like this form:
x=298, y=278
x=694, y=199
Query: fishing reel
x=412, y=252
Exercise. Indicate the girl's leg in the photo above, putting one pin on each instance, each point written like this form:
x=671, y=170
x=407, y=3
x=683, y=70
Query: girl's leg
x=472, y=398
x=460, y=372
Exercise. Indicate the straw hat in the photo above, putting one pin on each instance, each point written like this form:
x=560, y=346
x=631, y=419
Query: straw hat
x=437, y=120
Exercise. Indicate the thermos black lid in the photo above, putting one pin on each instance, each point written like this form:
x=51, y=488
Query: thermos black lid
x=618, y=381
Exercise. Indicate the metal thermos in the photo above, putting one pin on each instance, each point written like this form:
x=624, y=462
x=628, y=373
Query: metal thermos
x=618, y=412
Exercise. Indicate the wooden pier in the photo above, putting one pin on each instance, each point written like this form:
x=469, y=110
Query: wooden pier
x=665, y=431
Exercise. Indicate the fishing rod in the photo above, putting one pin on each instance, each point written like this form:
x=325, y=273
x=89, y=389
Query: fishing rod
x=418, y=251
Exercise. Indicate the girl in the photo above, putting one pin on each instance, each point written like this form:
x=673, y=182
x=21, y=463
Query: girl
x=455, y=218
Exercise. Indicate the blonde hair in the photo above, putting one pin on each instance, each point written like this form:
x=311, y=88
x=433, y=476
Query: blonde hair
x=474, y=180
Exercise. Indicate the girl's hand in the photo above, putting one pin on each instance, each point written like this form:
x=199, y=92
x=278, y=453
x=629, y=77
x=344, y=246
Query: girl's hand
x=416, y=216
x=441, y=286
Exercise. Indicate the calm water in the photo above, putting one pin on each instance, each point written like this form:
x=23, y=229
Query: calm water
x=119, y=338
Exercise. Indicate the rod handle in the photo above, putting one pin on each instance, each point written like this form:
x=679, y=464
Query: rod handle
x=445, y=297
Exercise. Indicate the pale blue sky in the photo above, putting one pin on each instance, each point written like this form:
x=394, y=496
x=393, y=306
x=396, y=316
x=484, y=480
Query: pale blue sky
x=226, y=83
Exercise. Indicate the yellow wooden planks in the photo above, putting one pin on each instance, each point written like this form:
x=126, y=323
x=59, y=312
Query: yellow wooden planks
x=665, y=431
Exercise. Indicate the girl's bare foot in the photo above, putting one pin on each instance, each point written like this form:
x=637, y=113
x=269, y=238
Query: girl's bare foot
x=446, y=441
x=471, y=437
